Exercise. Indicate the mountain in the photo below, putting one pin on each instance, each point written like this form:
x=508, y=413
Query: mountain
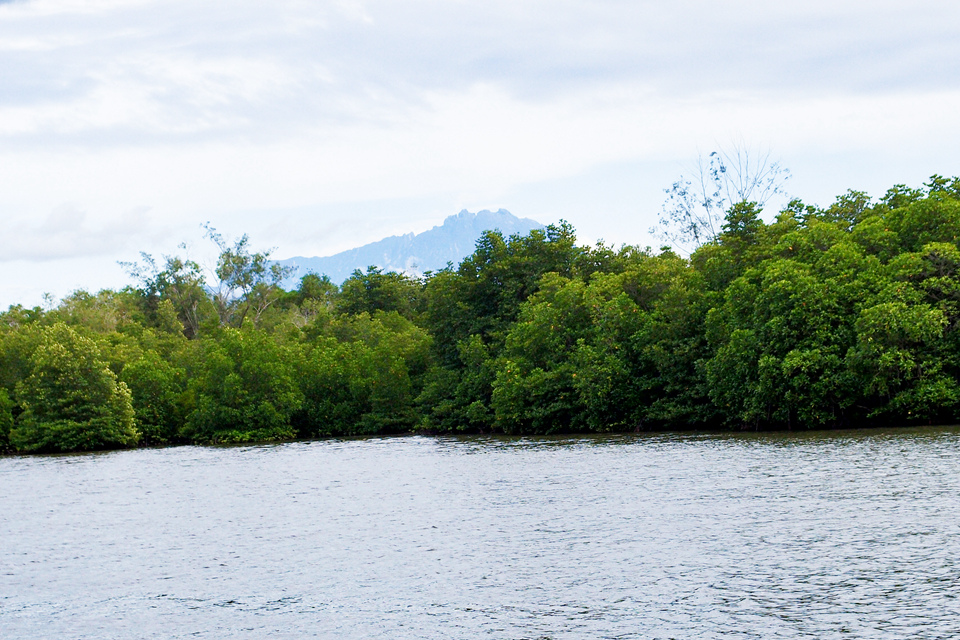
x=411, y=253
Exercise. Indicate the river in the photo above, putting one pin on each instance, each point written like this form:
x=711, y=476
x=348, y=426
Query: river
x=819, y=535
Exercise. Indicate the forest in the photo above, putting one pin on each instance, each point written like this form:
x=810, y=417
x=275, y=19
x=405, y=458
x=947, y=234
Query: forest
x=836, y=317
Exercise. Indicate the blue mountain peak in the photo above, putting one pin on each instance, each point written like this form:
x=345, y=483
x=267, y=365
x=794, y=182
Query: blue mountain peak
x=451, y=241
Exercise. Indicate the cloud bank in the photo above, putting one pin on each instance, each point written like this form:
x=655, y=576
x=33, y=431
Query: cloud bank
x=248, y=113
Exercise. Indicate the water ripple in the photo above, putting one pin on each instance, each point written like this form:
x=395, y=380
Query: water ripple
x=824, y=536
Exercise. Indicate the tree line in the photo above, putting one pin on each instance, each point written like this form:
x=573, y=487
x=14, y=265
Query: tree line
x=843, y=316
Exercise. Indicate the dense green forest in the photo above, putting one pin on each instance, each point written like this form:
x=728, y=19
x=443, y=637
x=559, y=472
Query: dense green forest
x=826, y=317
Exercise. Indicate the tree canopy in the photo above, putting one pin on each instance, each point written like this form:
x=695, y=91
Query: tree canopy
x=823, y=317
x=70, y=400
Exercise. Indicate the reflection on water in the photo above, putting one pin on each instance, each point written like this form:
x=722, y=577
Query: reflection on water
x=851, y=534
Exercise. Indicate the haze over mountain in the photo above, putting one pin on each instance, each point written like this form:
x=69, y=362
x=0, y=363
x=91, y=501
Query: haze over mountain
x=411, y=253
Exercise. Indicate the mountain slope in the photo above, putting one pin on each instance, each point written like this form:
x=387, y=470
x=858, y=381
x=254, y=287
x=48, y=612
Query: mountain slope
x=415, y=253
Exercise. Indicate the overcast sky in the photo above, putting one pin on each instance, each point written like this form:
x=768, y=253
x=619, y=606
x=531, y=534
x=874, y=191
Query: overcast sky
x=319, y=126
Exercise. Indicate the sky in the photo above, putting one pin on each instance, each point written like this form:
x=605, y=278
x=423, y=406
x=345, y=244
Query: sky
x=316, y=127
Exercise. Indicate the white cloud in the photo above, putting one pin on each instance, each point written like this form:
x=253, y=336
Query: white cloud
x=294, y=110
x=66, y=232
x=154, y=67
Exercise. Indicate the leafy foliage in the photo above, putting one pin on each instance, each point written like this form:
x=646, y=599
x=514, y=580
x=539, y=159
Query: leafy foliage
x=244, y=389
x=6, y=418
x=847, y=315
x=156, y=386
x=71, y=400
x=362, y=376
x=247, y=283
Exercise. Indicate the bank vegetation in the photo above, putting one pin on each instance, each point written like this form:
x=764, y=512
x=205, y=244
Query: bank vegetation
x=822, y=318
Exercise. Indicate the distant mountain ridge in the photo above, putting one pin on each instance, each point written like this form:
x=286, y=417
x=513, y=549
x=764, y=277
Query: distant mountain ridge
x=414, y=254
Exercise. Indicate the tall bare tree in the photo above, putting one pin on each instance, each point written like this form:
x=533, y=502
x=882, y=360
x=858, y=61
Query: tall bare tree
x=695, y=208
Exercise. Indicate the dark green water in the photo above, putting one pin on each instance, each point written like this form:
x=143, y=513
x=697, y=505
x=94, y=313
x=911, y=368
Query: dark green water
x=849, y=535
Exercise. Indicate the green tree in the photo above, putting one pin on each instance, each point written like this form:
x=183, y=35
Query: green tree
x=780, y=338
x=71, y=400
x=897, y=356
x=534, y=388
x=6, y=418
x=180, y=285
x=469, y=312
x=156, y=387
x=378, y=291
x=17, y=343
x=361, y=377
x=741, y=229
x=661, y=324
x=244, y=389
x=315, y=287
x=617, y=352
x=312, y=299
x=933, y=219
x=248, y=283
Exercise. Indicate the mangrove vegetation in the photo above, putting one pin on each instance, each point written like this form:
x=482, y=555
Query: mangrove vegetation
x=822, y=318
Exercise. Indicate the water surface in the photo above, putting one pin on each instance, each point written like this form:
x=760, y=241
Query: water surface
x=766, y=536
